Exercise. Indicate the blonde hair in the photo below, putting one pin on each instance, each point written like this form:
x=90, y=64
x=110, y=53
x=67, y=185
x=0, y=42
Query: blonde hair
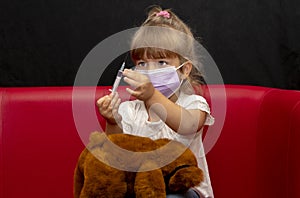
x=174, y=39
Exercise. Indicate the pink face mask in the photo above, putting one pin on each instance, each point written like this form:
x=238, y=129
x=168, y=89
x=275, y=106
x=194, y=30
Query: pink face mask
x=165, y=80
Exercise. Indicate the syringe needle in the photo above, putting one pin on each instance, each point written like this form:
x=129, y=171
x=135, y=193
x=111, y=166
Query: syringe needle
x=119, y=76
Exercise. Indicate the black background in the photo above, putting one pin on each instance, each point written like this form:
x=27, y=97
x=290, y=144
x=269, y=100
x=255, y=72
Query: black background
x=253, y=42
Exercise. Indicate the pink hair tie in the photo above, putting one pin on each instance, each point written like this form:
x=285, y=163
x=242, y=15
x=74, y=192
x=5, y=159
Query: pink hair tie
x=164, y=14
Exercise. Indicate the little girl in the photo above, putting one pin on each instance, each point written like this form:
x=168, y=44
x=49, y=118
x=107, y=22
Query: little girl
x=163, y=84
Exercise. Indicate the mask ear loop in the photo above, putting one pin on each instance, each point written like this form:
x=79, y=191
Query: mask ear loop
x=181, y=79
x=180, y=66
x=185, y=84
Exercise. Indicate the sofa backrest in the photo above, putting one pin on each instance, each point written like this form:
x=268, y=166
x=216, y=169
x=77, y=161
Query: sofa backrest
x=278, y=142
x=256, y=154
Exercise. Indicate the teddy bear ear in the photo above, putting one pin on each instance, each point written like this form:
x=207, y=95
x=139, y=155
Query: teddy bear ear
x=96, y=139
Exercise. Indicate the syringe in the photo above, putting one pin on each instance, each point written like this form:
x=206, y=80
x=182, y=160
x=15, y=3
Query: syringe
x=118, y=78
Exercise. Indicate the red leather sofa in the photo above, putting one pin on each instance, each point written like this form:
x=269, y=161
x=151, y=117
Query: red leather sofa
x=255, y=150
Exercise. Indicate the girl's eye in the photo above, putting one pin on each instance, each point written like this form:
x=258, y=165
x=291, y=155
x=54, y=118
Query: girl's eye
x=142, y=64
x=162, y=63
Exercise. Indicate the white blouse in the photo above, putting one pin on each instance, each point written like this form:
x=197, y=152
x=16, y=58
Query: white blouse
x=135, y=122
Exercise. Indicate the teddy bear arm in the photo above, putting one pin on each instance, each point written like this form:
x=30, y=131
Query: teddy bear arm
x=185, y=178
x=93, y=178
x=78, y=182
x=150, y=184
x=78, y=174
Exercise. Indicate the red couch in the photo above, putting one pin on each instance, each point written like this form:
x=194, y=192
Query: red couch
x=256, y=153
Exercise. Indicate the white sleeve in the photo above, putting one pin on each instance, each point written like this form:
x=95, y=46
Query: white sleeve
x=198, y=102
x=127, y=116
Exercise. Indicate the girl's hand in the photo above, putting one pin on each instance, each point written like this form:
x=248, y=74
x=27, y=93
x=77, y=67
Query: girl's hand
x=108, y=107
x=143, y=88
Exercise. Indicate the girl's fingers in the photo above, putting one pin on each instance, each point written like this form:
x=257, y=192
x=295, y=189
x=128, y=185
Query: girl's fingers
x=104, y=102
x=108, y=106
x=143, y=92
x=135, y=78
x=130, y=74
x=116, y=106
x=100, y=102
x=115, y=97
x=131, y=92
x=118, y=103
x=131, y=82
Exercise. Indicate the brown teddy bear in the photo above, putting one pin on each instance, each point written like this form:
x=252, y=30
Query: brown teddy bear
x=122, y=165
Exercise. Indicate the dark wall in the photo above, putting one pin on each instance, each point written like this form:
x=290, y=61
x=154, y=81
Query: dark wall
x=42, y=43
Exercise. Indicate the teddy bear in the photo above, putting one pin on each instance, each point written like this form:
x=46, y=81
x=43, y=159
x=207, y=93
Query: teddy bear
x=123, y=165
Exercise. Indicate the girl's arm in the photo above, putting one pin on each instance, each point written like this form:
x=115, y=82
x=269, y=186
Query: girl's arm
x=176, y=117
x=179, y=119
